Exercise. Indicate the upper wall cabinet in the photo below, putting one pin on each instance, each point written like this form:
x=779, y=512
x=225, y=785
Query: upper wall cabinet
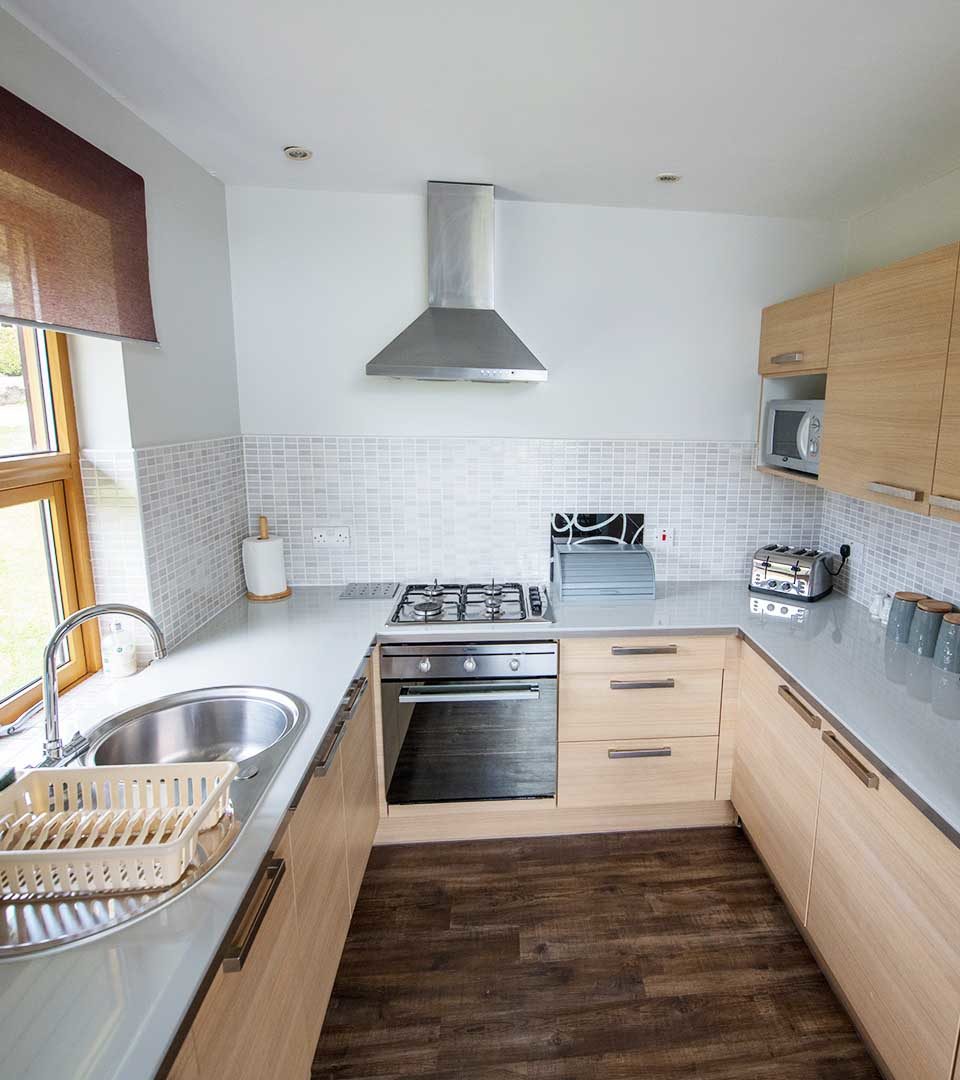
x=888, y=354
x=945, y=500
x=795, y=335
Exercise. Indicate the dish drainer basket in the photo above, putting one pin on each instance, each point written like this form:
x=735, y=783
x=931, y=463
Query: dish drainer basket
x=109, y=828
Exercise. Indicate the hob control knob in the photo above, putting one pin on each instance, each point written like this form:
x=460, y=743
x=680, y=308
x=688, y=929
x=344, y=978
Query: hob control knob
x=424, y=665
x=469, y=664
x=514, y=664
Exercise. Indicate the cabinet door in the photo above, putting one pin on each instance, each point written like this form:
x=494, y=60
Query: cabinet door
x=888, y=353
x=358, y=754
x=250, y=1023
x=795, y=335
x=945, y=500
x=776, y=776
x=884, y=901
x=319, y=851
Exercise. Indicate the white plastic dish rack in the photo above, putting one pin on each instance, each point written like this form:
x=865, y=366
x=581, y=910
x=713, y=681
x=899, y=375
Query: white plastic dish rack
x=107, y=829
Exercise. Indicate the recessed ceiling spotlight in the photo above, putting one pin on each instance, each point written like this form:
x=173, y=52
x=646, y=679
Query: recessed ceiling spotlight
x=668, y=177
x=298, y=153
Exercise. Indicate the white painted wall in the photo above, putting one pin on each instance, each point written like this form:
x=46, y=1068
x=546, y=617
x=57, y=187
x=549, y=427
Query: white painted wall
x=96, y=369
x=920, y=219
x=648, y=321
x=186, y=389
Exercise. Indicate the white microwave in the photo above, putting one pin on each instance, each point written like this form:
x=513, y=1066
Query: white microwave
x=792, y=433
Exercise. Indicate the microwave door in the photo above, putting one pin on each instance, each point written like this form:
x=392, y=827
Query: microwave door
x=803, y=437
x=785, y=433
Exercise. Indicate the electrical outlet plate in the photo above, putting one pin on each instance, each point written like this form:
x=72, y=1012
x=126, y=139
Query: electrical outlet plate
x=664, y=537
x=332, y=536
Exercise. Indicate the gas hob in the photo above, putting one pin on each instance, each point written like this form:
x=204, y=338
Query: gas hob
x=491, y=602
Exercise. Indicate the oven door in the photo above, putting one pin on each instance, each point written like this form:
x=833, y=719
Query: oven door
x=461, y=740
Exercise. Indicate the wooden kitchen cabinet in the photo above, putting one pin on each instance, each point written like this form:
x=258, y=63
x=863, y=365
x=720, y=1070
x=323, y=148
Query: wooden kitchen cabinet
x=945, y=499
x=636, y=771
x=776, y=776
x=358, y=755
x=795, y=335
x=251, y=1022
x=321, y=883
x=883, y=910
x=888, y=353
x=622, y=657
x=647, y=705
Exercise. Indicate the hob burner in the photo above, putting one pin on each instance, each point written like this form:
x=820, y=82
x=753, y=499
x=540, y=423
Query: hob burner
x=433, y=590
x=427, y=609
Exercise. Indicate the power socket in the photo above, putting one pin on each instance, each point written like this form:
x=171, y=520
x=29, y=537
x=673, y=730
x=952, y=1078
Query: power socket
x=331, y=536
x=663, y=537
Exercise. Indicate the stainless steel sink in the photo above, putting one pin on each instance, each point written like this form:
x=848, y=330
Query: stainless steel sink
x=252, y=725
x=229, y=723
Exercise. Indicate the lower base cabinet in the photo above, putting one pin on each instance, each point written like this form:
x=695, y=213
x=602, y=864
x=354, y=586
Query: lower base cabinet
x=251, y=1021
x=263, y=1012
x=883, y=913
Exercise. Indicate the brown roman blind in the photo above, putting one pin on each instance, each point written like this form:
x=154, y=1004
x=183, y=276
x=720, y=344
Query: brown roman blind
x=73, y=231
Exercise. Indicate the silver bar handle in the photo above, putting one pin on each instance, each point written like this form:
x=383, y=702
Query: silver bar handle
x=530, y=693
x=656, y=751
x=642, y=684
x=642, y=650
x=861, y=772
x=894, y=492
x=329, y=746
x=238, y=950
x=944, y=502
x=355, y=695
x=787, y=358
x=809, y=718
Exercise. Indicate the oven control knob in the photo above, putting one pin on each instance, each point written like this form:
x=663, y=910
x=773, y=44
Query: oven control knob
x=514, y=664
x=469, y=664
x=424, y=665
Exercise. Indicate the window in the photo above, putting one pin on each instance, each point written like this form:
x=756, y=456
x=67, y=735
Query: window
x=44, y=554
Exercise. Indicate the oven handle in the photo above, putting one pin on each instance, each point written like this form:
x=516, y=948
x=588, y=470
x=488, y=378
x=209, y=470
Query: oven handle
x=524, y=693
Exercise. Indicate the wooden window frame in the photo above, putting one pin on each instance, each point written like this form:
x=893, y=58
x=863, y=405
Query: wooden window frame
x=55, y=476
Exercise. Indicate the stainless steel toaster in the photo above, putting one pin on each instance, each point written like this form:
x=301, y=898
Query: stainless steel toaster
x=797, y=572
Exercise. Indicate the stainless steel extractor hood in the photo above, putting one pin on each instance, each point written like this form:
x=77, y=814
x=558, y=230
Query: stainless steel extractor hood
x=460, y=336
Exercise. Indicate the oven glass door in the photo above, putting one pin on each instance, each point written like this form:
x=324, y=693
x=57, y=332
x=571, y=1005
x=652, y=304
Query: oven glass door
x=465, y=740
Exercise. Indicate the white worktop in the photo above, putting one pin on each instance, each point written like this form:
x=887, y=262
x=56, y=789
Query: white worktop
x=108, y=1008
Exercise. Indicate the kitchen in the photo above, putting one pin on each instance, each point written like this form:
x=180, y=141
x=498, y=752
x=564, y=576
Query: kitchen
x=585, y=705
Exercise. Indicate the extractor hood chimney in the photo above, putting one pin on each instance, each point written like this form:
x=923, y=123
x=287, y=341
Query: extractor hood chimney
x=459, y=336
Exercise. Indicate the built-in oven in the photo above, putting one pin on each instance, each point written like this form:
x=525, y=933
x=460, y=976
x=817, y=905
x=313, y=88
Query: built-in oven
x=469, y=721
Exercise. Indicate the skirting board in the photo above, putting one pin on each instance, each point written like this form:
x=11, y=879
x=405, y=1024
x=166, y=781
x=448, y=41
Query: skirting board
x=489, y=821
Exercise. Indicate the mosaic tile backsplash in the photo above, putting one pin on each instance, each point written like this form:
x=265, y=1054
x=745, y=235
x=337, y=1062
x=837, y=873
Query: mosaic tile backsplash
x=895, y=549
x=473, y=507
x=166, y=522
x=165, y=525
x=194, y=516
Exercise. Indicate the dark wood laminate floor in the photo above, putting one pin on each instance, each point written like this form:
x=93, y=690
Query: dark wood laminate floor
x=631, y=955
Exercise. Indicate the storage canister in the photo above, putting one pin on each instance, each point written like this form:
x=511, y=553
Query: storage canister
x=901, y=615
x=925, y=626
x=946, y=656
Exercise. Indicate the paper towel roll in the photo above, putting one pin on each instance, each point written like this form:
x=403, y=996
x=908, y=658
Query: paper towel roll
x=263, y=568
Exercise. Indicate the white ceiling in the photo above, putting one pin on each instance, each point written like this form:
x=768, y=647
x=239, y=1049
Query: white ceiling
x=787, y=107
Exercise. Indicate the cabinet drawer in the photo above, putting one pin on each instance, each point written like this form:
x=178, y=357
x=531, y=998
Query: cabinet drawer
x=617, y=656
x=883, y=912
x=629, y=772
x=677, y=703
